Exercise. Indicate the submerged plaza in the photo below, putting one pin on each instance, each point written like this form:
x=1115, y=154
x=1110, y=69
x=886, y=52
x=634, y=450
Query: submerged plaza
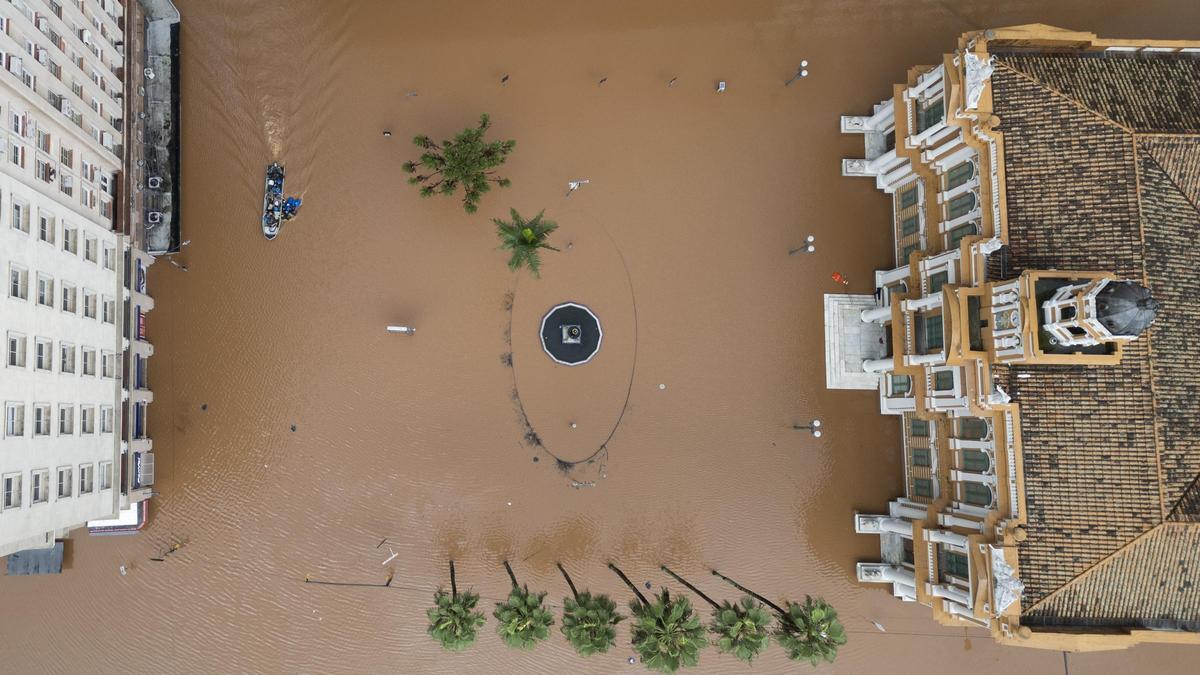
x=636, y=410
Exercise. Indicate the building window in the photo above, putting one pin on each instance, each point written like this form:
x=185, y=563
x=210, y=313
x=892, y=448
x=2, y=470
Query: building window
x=70, y=240
x=64, y=481
x=907, y=251
x=16, y=350
x=972, y=428
x=66, y=357
x=930, y=113
x=943, y=380
x=39, y=485
x=901, y=384
x=110, y=310
x=87, y=419
x=89, y=361
x=66, y=420
x=920, y=457
x=961, y=232
x=975, y=461
x=977, y=494
x=68, y=298
x=908, y=197
x=85, y=479
x=923, y=487
x=43, y=354
x=937, y=280
x=933, y=333
x=910, y=225
x=106, y=475
x=959, y=175
x=41, y=419
x=14, y=419
x=108, y=364
x=89, y=304
x=110, y=258
x=918, y=428
x=106, y=419
x=45, y=227
x=90, y=246
x=960, y=206
x=954, y=564
x=12, y=491
x=20, y=216
x=18, y=282
x=45, y=291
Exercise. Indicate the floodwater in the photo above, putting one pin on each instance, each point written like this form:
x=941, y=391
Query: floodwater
x=679, y=244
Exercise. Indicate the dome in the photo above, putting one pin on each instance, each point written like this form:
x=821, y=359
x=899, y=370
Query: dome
x=1126, y=308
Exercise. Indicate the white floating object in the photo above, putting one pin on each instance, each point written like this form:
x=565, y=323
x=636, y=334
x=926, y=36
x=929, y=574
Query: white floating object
x=662, y=386
x=720, y=86
x=402, y=329
x=804, y=73
x=804, y=64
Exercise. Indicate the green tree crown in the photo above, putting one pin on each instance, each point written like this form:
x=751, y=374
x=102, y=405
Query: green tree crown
x=525, y=239
x=666, y=634
x=524, y=619
x=467, y=161
x=741, y=629
x=453, y=623
x=589, y=623
x=811, y=632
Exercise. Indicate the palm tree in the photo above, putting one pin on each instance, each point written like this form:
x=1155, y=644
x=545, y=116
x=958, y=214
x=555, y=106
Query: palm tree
x=452, y=621
x=524, y=239
x=589, y=621
x=524, y=619
x=466, y=161
x=666, y=634
x=809, y=632
x=741, y=629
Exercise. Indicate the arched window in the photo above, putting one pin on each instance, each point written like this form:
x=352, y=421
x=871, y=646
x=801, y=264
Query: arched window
x=977, y=494
x=959, y=175
x=975, y=462
x=960, y=206
x=972, y=428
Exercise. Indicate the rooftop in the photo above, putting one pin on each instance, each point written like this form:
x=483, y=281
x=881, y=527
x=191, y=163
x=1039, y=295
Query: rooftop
x=1102, y=164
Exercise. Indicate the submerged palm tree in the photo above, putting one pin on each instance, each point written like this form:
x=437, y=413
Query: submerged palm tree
x=452, y=620
x=524, y=239
x=666, y=634
x=589, y=621
x=810, y=632
x=524, y=619
x=741, y=629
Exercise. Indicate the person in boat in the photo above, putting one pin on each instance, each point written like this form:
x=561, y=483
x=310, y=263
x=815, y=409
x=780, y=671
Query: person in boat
x=290, y=205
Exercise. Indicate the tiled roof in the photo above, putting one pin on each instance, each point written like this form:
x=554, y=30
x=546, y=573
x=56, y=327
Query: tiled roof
x=1145, y=93
x=1153, y=582
x=1109, y=451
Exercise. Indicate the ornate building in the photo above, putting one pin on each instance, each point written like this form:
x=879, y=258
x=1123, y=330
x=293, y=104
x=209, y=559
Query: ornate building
x=1039, y=337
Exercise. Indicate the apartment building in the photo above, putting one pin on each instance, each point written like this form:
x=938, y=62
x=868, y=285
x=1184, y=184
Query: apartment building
x=73, y=385
x=1038, y=328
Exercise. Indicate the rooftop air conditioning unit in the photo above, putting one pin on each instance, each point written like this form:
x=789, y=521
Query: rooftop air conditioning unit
x=155, y=182
x=154, y=217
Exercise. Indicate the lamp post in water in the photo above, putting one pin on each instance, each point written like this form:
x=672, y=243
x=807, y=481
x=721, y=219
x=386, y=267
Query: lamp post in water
x=813, y=426
x=808, y=246
x=406, y=330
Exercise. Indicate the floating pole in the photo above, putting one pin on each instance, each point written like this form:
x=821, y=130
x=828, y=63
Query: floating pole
x=407, y=330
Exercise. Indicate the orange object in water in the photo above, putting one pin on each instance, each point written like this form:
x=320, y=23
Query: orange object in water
x=837, y=276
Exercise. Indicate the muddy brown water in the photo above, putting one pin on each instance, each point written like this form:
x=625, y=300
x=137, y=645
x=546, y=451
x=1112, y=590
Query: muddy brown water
x=679, y=243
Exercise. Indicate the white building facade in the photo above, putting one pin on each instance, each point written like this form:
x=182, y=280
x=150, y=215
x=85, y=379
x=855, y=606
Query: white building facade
x=73, y=307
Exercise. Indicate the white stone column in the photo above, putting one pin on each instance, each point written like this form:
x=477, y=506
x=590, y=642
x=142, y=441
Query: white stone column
x=949, y=592
x=951, y=520
x=957, y=609
x=878, y=365
x=926, y=359
x=947, y=537
x=967, y=476
x=923, y=302
x=877, y=314
x=964, y=444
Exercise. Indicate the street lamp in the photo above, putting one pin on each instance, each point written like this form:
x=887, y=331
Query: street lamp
x=813, y=426
x=808, y=246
